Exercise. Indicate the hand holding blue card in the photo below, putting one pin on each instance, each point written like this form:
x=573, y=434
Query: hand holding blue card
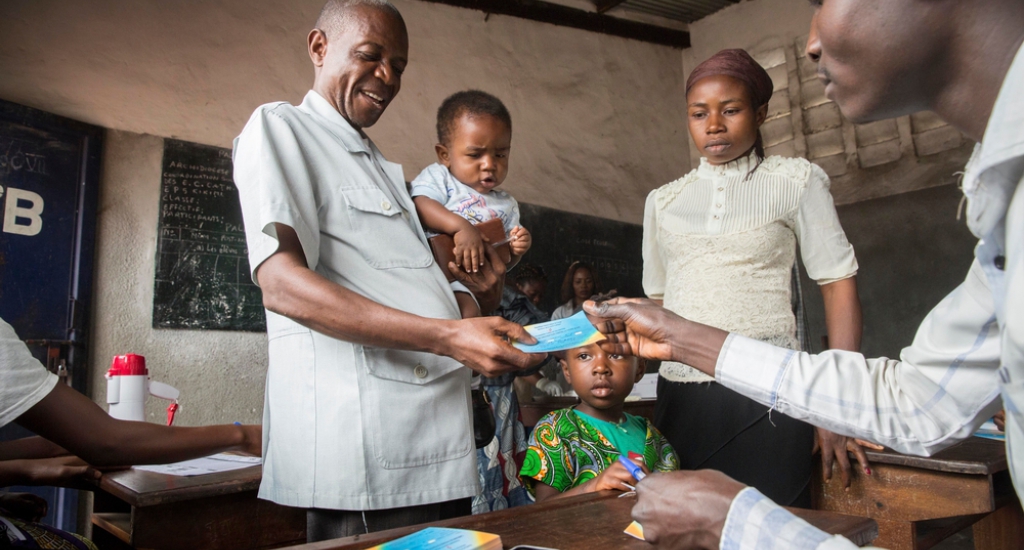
x=568, y=333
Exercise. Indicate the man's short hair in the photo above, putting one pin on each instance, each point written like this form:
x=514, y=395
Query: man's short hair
x=472, y=103
x=336, y=15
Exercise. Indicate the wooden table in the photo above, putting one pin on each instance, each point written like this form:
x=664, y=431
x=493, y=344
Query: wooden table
x=585, y=522
x=532, y=411
x=141, y=509
x=919, y=501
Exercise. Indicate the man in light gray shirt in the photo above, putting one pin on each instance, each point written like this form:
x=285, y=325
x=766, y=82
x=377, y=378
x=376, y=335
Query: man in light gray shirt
x=367, y=413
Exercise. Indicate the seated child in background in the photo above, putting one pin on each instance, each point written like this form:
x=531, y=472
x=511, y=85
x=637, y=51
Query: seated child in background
x=575, y=450
x=474, y=134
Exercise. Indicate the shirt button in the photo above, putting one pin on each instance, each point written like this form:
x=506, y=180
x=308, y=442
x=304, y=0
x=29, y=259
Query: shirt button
x=999, y=262
x=718, y=206
x=716, y=216
x=420, y=371
x=385, y=205
x=721, y=188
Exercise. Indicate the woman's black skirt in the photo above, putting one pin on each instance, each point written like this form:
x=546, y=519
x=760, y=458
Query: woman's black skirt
x=713, y=427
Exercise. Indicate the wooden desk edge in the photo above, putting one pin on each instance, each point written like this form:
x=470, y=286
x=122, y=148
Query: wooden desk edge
x=117, y=524
x=862, y=530
x=992, y=458
x=235, y=481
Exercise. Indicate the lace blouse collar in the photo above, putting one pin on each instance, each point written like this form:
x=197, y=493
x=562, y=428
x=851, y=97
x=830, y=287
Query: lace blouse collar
x=740, y=166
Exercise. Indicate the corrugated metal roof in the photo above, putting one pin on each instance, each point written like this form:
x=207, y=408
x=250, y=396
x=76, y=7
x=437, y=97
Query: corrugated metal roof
x=678, y=10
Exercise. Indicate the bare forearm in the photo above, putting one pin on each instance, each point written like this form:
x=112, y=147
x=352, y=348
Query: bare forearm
x=314, y=302
x=546, y=492
x=699, y=346
x=30, y=447
x=438, y=218
x=15, y=472
x=79, y=425
x=293, y=290
x=843, y=314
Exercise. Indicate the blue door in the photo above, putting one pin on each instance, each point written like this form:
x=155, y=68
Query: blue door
x=49, y=178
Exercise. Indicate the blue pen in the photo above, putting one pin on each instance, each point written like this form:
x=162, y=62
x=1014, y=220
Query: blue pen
x=633, y=469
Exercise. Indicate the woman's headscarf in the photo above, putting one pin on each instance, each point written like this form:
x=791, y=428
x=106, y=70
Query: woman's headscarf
x=739, y=65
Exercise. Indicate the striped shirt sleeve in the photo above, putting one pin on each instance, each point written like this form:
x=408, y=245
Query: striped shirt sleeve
x=941, y=389
x=756, y=523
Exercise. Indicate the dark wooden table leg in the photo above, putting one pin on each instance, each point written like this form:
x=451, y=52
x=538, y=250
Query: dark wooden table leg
x=896, y=535
x=1001, y=530
x=227, y=522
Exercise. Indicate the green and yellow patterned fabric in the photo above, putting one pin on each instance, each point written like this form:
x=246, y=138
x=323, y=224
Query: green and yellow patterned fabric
x=566, y=451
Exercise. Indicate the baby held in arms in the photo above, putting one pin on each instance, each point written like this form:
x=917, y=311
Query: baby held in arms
x=452, y=196
x=576, y=450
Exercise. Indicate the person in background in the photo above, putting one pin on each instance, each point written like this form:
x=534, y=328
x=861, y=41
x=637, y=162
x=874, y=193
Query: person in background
x=964, y=60
x=356, y=303
x=579, y=285
x=460, y=190
x=499, y=462
x=531, y=281
x=76, y=439
x=576, y=450
x=719, y=248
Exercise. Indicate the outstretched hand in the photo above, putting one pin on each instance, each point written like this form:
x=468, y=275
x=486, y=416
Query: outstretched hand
x=635, y=326
x=685, y=509
x=483, y=344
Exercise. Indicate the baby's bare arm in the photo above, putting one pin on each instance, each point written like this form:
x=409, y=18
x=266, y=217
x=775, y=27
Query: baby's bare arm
x=437, y=218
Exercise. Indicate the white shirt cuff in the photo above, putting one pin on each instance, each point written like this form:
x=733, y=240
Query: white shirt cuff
x=752, y=368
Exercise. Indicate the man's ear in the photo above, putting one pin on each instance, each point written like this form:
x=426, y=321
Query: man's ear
x=641, y=369
x=443, y=155
x=316, y=44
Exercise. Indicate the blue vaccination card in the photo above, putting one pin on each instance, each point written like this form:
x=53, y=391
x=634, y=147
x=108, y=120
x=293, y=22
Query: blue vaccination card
x=568, y=333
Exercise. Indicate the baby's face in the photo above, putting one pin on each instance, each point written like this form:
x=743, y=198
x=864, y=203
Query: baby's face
x=600, y=379
x=478, y=153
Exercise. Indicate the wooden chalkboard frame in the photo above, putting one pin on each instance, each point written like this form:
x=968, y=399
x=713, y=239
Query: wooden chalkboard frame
x=202, y=268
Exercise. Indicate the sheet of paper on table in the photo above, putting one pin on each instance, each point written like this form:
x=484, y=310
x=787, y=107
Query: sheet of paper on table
x=571, y=332
x=647, y=387
x=212, y=464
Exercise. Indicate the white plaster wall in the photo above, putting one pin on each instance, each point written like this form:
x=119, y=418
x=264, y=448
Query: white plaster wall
x=220, y=373
x=597, y=118
x=597, y=122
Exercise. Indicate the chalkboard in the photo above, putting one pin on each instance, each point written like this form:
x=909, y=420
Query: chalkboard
x=912, y=251
x=202, y=267
x=560, y=238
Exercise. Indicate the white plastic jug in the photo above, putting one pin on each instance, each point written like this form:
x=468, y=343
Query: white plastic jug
x=128, y=386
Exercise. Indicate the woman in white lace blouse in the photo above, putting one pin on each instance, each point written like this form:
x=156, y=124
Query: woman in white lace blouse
x=719, y=247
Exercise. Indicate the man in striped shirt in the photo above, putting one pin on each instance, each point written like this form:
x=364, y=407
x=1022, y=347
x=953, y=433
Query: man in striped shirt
x=878, y=59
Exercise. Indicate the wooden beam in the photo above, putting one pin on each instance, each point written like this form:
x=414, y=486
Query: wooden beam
x=556, y=14
x=605, y=5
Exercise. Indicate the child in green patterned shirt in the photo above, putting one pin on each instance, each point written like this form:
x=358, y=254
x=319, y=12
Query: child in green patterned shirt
x=575, y=450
